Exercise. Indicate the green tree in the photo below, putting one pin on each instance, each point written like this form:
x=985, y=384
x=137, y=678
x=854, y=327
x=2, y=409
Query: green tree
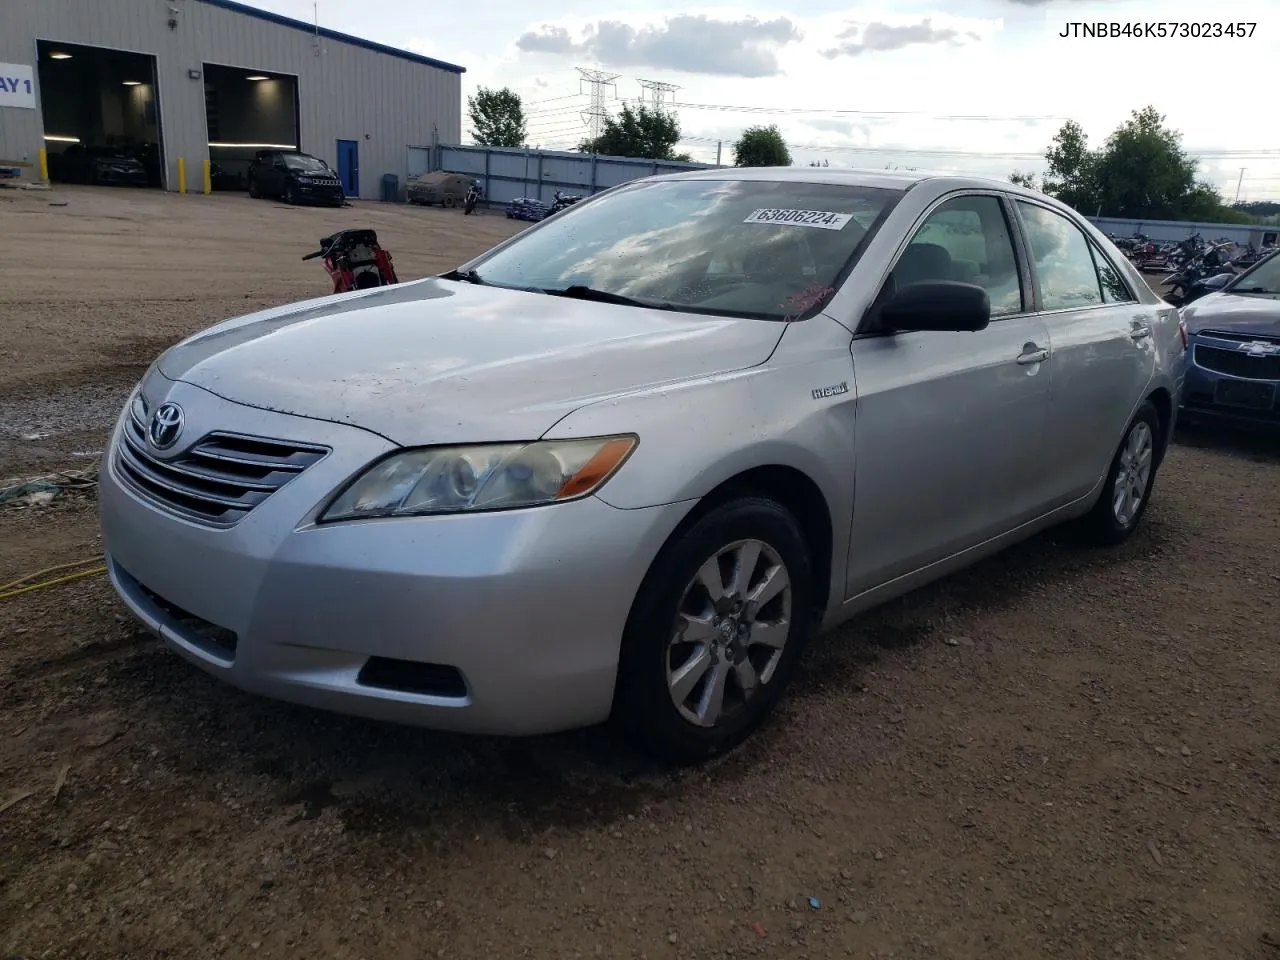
x=1070, y=177
x=1141, y=171
x=761, y=147
x=639, y=131
x=497, y=118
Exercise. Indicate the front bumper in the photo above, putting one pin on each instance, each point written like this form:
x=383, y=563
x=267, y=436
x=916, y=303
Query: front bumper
x=321, y=193
x=121, y=178
x=1220, y=388
x=499, y=623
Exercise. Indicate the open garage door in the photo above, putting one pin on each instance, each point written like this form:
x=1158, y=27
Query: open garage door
x=246, y=110
x=101, y=115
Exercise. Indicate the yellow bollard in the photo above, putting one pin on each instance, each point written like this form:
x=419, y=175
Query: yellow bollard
x=44, y=163
x=182, y=175
x=207, y=177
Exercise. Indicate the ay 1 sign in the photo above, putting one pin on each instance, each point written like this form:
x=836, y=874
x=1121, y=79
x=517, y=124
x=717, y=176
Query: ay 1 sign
x=17, y=86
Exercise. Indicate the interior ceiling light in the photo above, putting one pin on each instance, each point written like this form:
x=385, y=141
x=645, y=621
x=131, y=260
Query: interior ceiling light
x=259, y=146
x=60, y=139
x=133, y=83
x=59, y=56
x=257, y=76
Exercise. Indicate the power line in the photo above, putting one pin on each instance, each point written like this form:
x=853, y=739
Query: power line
x=658, y=91
x=599, y=111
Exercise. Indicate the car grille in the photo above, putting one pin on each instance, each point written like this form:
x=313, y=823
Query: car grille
x=1234, y=363
x=218, y=480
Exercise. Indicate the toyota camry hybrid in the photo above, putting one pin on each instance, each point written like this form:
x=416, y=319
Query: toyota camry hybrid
x=624, y=464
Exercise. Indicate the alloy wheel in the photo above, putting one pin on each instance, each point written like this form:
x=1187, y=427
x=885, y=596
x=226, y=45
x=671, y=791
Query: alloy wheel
x=1132, y=478
x=730, y=632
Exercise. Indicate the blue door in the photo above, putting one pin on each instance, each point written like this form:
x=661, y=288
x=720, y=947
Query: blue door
x=349, y=167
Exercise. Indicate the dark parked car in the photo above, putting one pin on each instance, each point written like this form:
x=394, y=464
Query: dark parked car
x=294, y=177
x=104, y=166
x=1234, y=334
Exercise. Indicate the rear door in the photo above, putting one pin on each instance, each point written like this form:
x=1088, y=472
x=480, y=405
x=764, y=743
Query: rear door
x=1102, y=344
x=950, y=427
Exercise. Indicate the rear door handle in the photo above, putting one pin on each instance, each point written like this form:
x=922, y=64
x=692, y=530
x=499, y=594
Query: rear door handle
x=1035, y=356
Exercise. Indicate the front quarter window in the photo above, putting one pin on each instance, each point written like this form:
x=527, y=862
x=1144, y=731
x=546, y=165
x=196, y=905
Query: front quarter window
x=772, y=250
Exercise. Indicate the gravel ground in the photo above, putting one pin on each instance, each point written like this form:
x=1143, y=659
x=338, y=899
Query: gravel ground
x=1059, y=753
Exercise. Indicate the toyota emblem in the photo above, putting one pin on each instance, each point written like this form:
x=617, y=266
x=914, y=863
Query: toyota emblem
x=166, y=426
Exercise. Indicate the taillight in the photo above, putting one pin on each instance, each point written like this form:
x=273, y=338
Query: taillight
x=1182, y=332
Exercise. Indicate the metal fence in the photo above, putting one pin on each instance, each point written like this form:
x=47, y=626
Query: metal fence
x=508, y=174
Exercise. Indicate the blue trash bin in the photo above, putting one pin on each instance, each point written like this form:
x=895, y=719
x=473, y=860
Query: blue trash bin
x=390, y=187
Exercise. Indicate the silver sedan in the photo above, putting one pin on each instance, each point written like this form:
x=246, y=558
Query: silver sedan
x=626, y=463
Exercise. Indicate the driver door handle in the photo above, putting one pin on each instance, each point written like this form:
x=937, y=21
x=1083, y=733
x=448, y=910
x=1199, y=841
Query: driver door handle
x=1035, y=356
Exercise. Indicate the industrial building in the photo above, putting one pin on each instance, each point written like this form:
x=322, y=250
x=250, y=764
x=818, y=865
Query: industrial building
x=191, y=88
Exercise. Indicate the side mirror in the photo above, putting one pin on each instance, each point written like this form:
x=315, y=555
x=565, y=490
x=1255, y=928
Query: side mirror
x=938, y=305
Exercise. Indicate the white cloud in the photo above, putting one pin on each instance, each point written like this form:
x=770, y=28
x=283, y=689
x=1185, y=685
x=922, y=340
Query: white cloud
x=1001, y=59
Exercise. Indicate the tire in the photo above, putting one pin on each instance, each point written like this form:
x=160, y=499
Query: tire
x=645, y=708
x=253, y=189
x=289, y=196
x=1107, y=524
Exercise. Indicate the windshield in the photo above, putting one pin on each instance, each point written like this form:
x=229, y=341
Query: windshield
x=768, y=250
x=1263, y=278
x=305, y=164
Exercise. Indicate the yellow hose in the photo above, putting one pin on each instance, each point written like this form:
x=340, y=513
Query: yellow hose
x=13, y=588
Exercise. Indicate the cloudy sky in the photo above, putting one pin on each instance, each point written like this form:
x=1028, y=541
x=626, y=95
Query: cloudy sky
x=976, y=86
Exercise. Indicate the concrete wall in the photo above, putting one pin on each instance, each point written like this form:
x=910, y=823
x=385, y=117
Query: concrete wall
x=1165, y=230
x=346, y=91
x=506, y=174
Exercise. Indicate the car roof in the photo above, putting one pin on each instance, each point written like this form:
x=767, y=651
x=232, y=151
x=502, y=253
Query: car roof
x=888, y=180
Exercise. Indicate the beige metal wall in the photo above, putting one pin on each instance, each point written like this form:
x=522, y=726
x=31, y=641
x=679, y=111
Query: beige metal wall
x=345, y=92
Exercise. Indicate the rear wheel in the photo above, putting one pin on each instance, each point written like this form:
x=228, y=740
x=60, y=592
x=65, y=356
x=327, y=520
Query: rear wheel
x=1127, y=489
x=715, y=631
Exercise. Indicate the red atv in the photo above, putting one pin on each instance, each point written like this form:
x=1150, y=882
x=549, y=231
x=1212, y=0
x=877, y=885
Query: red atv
x=355, y=261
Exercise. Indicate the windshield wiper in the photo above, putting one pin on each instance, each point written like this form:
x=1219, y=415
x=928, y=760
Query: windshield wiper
x=466, y=276
x=578, y=291
x=1254, y=290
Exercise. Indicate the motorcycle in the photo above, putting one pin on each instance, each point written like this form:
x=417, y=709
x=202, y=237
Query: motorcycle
x=472, y=198
x=562, y=200
x=1196, y=279
x=355, y=260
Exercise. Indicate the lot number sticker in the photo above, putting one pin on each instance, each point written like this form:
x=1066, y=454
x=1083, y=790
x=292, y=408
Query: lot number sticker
x=17, y=86
x=822, y=219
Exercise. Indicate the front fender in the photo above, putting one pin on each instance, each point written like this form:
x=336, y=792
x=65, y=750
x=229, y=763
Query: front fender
x=697, y=434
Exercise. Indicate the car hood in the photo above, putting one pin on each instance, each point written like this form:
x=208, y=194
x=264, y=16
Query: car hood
x=1234, y=313
x=438, y=361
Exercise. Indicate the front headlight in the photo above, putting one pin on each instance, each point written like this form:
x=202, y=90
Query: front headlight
x=497, y=476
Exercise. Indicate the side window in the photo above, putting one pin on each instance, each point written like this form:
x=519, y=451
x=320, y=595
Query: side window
x=1114, y=289
x=965, y=239
x=1063, y=261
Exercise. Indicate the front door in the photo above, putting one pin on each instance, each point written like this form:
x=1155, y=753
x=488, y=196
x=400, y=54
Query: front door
x=349, y=167
x=1103, y=350
x=950, y=427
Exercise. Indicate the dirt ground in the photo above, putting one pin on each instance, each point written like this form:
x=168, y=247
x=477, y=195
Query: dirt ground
x=1059, y=753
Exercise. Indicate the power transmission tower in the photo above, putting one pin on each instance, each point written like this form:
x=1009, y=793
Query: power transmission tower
x=596, y=115
x=658, y=92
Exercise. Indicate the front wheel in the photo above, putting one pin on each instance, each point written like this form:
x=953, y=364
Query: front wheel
x=715, y=632
x=1127, y=489
x=289, y=196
